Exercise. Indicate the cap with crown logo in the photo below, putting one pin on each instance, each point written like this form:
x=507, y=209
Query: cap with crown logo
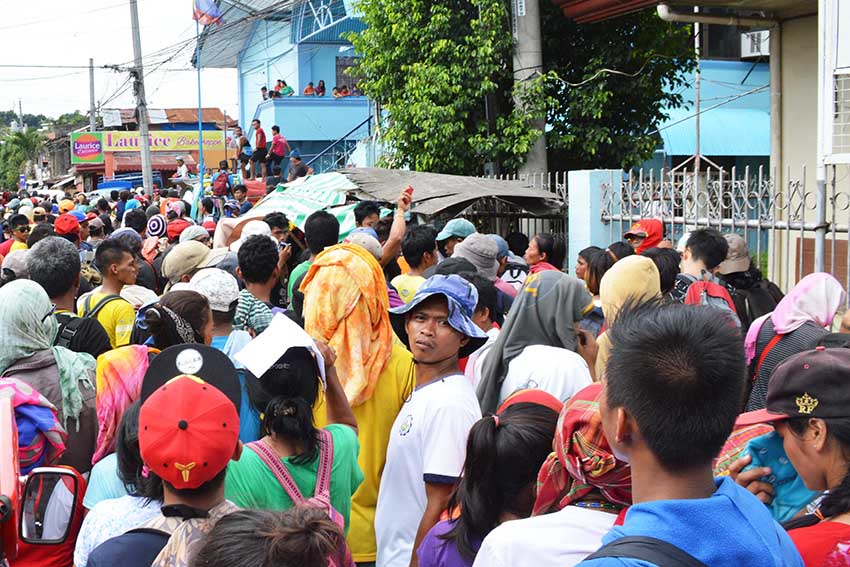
x=813, y=383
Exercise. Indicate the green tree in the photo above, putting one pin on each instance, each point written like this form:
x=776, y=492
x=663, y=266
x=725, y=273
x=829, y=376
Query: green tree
x=607, y=120
x=20, y=153
x=71, y=119
x=430, y=64
x=11, y=165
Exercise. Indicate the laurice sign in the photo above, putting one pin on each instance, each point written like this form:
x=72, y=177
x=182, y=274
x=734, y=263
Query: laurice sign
x=89, y=147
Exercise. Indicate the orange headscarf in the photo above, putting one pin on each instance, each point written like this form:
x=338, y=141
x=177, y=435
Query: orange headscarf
x=346, y=305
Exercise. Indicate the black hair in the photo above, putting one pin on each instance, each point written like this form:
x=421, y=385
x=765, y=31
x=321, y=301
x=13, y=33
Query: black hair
x=38, y=233
x=419, y=239
x=54, y=265
x=93, y=231
x=123, y=194
x=679, y=371
x=276, y=129
x=110, y=252
x=257, y=120
x=107, y=224
x=276, y=220
x=207, y=204
x=516, y=446
x=554, y=246
x=597, y=264
x=193, y=307
x=667, y=261
x=383, y=228
x=240, y=187
x=517, y=243
x=321, y=229
x=586, y=253
x=136, y=219
x=621, y=250
x=292, y=383
x=837, y=500
x=258, y=257
x=130, y=465
x=102, y=205
x=364, y=210
x=302, y=536
x=708, y=246
x=18, y=220
x=114, y=194
x=487, y=296
x=225, y=317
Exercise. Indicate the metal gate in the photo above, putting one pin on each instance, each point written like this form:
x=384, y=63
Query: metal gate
x=792, y=230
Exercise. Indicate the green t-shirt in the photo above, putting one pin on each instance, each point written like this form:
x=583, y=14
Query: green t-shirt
x=296, y=273
x=251, y=484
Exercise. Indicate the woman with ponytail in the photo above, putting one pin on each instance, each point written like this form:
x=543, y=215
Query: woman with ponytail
x=293, y=451
x=503, y=454
x=300, y=537
x=808, y=402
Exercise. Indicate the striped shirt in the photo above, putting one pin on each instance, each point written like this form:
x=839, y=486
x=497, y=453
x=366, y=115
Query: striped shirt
x=801, y=339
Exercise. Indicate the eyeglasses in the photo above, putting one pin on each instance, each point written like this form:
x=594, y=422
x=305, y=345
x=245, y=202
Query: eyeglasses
x=49, y=313
x=22, y=229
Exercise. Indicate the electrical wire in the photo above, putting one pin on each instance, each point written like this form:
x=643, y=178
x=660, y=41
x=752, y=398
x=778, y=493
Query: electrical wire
x=35, y=22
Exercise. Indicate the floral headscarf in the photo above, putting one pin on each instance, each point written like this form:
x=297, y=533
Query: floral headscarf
x=27, y=326
x=583, y=460
x=41, y=438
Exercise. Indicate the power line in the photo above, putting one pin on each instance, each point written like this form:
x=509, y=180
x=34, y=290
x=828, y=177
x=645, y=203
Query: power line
x=35, y=22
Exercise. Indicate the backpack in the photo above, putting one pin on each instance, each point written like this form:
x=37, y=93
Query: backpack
x=322, y=494
x=759, y=299
x=90, y=310
x=648, y=549
x=68, y=327
x=221, y=185
x=714, y=295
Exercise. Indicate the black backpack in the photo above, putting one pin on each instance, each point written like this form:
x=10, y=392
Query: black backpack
x=649, y=549
x=68, y=327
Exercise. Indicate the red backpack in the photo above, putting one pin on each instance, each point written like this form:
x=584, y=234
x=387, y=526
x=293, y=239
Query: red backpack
x=221, y=185
x=714, y=295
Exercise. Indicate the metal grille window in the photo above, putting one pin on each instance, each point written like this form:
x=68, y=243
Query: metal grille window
x=841, y=119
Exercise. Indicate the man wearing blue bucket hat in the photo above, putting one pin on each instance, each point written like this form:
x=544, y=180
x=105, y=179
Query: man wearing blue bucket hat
x=427, y=444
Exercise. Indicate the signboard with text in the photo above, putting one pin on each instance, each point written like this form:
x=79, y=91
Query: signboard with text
x=87, y=147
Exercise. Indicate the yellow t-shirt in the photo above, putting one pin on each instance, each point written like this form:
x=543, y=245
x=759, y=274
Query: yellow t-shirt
x=375, y=419
x=18, y=246
x=406, y=286
x=117, y=318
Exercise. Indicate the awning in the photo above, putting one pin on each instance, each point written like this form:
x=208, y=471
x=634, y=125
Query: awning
x=724, y=132
x=66, y=181
x=159, y=161
x=438, y=193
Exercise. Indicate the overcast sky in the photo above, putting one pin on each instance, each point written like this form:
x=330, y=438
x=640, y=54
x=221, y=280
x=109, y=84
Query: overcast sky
x=53, y=32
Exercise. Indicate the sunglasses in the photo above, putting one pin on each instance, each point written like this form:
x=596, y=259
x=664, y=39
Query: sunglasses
x=22, y=229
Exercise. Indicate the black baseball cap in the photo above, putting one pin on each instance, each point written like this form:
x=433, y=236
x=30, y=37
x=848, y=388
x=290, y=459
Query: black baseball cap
x=209, y=364
x=813, y=383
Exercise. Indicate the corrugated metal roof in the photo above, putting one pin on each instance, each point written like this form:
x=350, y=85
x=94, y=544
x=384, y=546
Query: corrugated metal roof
x=180, y=115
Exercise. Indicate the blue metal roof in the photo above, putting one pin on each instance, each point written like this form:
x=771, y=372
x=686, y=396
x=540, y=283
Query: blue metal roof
x=738, y=127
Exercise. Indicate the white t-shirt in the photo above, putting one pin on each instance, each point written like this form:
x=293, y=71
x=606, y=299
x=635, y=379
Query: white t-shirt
x=562, y=538
x=556, y=370
x=475, y=363
x=427, y=444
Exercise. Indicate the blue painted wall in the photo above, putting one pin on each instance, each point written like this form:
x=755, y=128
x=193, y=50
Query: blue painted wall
x=314, y=118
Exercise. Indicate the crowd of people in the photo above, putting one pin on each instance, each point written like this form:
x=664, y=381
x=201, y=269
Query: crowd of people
x=419, y=395
x=262, y=159
x=281, y=89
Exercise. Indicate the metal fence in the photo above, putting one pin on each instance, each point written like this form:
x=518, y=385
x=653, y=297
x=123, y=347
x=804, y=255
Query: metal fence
x=792, y=230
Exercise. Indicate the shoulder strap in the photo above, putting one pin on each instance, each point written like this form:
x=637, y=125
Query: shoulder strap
x=773, y=342
x=326, y=459
x=90, y=311
x=273, y=461
x=649, y=549
x=68, y=327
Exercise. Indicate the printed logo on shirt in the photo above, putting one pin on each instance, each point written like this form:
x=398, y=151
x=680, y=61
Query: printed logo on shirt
x=406, y=425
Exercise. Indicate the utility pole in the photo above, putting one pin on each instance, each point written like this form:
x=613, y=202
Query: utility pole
x=141, y=102
x=528, y=62
x=22, y=126
x=92, y=117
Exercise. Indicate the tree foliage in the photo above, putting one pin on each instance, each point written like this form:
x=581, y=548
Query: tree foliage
x=431, y=64
x=17, y=150
x=31, y=120
x=608, y=120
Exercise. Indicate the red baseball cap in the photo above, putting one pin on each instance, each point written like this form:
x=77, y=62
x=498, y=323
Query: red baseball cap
x=66, y=224
x=188, y=431
x=90, y=217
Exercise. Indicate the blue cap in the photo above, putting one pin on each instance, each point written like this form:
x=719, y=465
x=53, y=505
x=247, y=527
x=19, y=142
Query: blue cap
x=78, y=214
x=295, y=154
x=460, y=228
x=54, y=209
x=502, y=245
x=462, y=298
x=132, y=204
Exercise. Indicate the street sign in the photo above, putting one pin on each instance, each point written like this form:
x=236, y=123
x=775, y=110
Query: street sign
x=22, y=181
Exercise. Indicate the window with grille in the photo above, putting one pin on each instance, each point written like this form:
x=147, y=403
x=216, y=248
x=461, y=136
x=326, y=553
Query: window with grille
x=841, y=116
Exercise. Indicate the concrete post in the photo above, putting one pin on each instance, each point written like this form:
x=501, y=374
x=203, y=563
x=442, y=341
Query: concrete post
x=528, y=62
x=584, y=200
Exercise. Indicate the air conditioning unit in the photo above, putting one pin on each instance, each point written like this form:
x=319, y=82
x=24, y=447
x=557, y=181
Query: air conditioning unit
x=755, y=44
